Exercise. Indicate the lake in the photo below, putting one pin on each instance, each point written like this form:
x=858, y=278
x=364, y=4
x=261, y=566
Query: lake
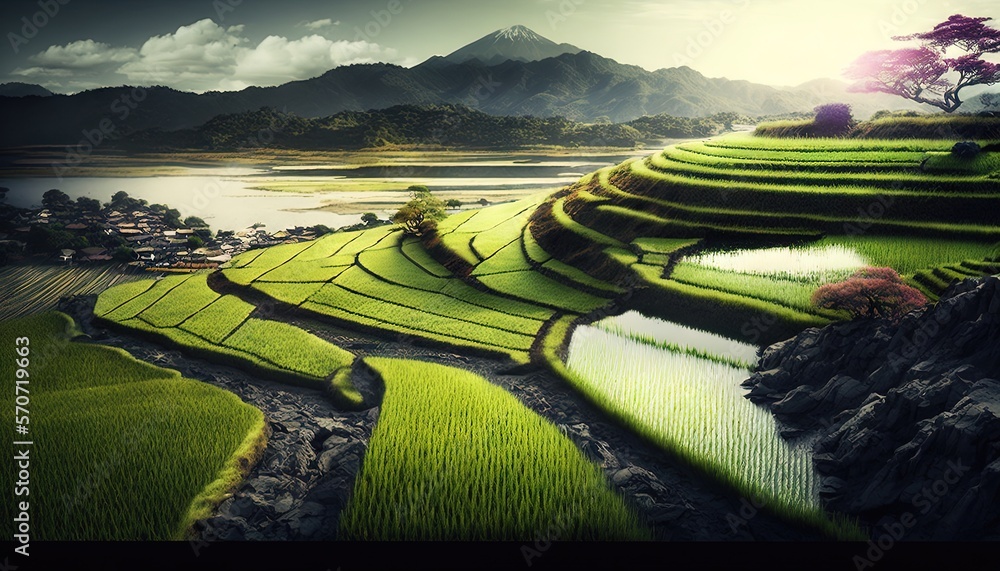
x=282, y=196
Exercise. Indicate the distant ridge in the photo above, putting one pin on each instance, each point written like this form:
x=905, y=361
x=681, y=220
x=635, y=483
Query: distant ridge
x=18, y=89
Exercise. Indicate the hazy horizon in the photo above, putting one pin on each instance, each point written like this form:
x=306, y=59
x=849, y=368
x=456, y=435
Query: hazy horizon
x=227, y=45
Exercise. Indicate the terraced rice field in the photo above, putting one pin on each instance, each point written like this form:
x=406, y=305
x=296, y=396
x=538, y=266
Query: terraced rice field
x=725, y=239
x=124, y=450
x=693, y=406
x=840, y=203
x=29, y=289
x=185, y=311
x=456, y=458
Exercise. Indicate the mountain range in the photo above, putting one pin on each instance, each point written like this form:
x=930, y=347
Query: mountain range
x=577, y=85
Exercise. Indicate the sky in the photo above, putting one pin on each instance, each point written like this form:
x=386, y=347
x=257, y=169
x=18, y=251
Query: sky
x=203, y=45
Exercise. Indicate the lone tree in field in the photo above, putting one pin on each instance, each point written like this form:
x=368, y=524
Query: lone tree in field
x=833, y=120
x=421, y=214
x=873, y=293
x=926, y=74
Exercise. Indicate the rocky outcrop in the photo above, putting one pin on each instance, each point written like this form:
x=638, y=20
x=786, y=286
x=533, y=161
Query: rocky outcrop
x=906, y=416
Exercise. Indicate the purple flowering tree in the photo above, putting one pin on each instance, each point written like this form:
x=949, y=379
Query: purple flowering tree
x=927, y=74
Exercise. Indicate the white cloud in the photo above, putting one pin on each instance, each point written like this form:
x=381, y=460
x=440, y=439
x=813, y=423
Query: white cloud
x=320, y=24
x=194, y=57
x=205, y=56
x=82, y=54
x=279, y=60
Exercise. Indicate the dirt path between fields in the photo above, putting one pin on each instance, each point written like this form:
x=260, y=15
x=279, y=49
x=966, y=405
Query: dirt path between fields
x=303, y=482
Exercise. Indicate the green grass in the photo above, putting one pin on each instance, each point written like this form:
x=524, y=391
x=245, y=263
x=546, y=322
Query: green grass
x=123, y=294
x=730, y=310
x=362, y=283
x=567, y=222
x=306, y=272
x=789, y=293
x=825, y=144
x=510, y=258
x=183, y=301
x=416, y=320
x=456, y=458
x=326, y=247
x=224, y=332
x=579, y=277
x=533, y=249
x=912, y=181
x=663, y=245
x=291, y=293
x=906, y=254
x=982, y=164
x=460, y=244
x=344, y=393
x=700, y=154
x=112, y=307
x=124, y=451
x=531, y=285
x=694, y=407
x=390, y=283
x=289, y=347
x=218, y=320
x=414, y=250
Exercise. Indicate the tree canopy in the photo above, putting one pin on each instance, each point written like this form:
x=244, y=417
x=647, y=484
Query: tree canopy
x=55, y=199
x=422, y=213
x=949, y=59
x=874, y=293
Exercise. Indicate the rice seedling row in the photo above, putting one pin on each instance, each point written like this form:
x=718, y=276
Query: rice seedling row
x=223, y=329
x=828, y=144
x=414, y=251
x=456, y=458
x=680, y=339
x=219, y=319
x=289, y=348
x=695, y=408
x=789, y=293
x=188, y=298
x=142, y=452
x=358, y=281
x=909, y=254
x=376, y=324
x=699, y=155
x=531, y=285
x=937, y=184
x=567, y=222
x=421, y=319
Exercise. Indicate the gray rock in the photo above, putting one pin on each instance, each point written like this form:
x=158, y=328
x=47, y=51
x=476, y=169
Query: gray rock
x=907, y=416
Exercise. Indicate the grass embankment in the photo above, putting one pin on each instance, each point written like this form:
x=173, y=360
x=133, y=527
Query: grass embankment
x=936, y=127
x=456, y=458
x=124, y=451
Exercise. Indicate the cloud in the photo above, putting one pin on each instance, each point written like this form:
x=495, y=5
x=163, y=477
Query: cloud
x=195, y=57
x=82, y=54
x=320, y=24
x=279, y=60
x=205, y=56
x=76, y=66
